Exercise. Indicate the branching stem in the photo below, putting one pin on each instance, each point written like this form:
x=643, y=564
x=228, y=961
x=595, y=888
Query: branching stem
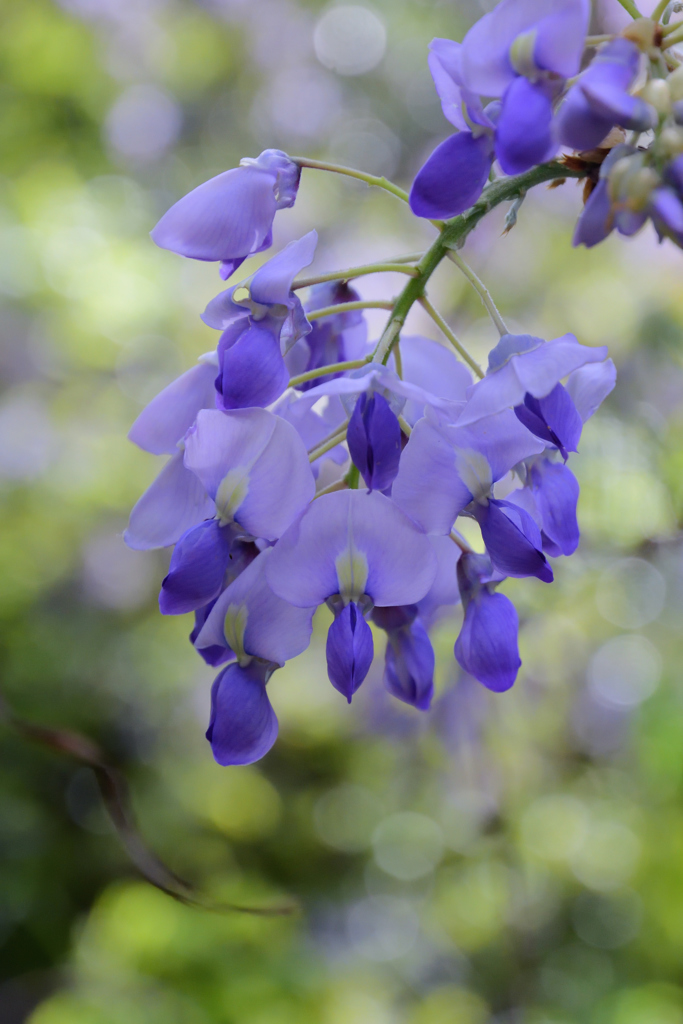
x=323, y=371
x=347, y=307
x=351, y=172
x=350, y=272
x=629, y=6
x=453, y=234
x=481, y=289
x=329, y=443
x=448, y=333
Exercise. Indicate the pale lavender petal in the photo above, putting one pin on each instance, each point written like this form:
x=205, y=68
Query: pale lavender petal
x=435, y=368
x=561, y=27
x=444, y=590
x=444, y=64
x=169, y=416
x=243, y=725
x=453, y=177
x=271, y=284
x=228, y=216
x=255, y=464
x=273, y=629
x=222, y=312
x=590, y=385
x=393, y=561
x=174, y=503
x=428, y=487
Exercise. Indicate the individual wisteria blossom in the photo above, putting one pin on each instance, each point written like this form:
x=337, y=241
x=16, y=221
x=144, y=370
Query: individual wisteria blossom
x=487, y=644
x=260, y=632
x=521, y=52
x=309, y=466
x=230, y=217
x=600, y=99
x=261, y=319
x=352, y=550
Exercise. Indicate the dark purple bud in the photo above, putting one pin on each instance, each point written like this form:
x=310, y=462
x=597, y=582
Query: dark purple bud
x=217, y=654
x=252, y=371
x=349, y=650
x=198, y=566
x=597, y=220
x=409, y=665
x=394, y=617
x=243, y=725
x=512, y=540
x=523, y=136
x=374, y=439
x=487, y=644
x=674, y=173
x=677, y=111
x=556, y=491
x=337, y=337
x=453, y=177
x=553, y=419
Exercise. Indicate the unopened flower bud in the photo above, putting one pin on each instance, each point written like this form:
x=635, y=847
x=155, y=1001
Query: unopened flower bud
x=675, y=83
x=670, y=142
x=657, y=94
x=642, y=32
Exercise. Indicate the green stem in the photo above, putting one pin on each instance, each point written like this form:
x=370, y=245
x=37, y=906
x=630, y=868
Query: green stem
x=481, y=289
x=351, y=172
x=329, y=443
x=346, y=307
x=596, y=40
x=629, y=6
x=659, y=9
x=322, y=371
x=346, y=275
x=398, y=360
x=454, y=232
x=338, y=485
x=675, y=37
x=405, y=426
x=448, y=333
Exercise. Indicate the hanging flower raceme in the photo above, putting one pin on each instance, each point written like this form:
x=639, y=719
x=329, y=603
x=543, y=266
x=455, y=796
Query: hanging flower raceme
x=352, y=550
x=256, y=550
x=231, y=216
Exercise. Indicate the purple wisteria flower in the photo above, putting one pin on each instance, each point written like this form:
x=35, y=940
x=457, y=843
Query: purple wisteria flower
x=261, y=319
x=247, y=467
x=409, y=657
x=231, y=216
x=351, y=548
x=334, y=339
x=600, y=99
x=521, y=52
x=487, y=644
x=261, y=632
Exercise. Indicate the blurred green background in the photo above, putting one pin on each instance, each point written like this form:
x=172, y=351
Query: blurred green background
x=504, y=859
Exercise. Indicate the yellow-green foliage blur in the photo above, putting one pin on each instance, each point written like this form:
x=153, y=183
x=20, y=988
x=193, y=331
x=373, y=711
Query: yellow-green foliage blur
x=513, y=858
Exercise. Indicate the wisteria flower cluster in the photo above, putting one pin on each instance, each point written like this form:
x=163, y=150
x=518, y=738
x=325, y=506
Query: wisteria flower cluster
x=309, y=466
